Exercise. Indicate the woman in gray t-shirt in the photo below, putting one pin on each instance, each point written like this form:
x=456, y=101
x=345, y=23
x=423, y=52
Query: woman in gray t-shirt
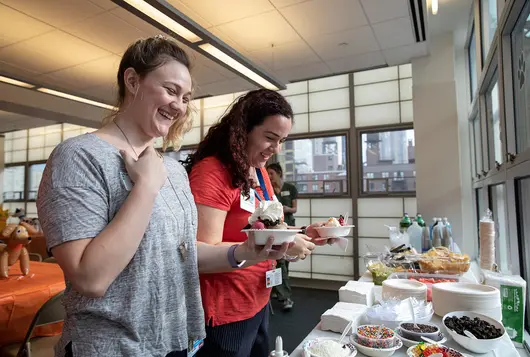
x=121, y=221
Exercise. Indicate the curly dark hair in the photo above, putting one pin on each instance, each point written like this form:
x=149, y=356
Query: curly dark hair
x=227, y=140
x=277, y=168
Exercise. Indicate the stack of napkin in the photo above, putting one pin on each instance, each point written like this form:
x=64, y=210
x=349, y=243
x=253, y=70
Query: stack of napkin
x=357, y=292
x=339, y=316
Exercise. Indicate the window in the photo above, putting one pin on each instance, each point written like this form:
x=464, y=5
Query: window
x=180, y=155
x=498, y=208
x=472, y=64
x=14, y=179
x=523, y=212
x=316, y=160
x=35, y=176
x=492, y=105
x=521, y=79
x=384, y=152
x=477, y=139
x=488, y=9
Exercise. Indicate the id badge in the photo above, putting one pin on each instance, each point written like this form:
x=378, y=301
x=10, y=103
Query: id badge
x=273, y=277
x=248, y=204
x=194, y=347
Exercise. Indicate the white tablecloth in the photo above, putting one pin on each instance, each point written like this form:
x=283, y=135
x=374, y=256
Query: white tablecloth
x=504, y=349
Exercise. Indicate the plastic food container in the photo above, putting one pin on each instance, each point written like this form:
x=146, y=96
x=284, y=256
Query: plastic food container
x=367, y=336
x=428, y=330
x=443, y=266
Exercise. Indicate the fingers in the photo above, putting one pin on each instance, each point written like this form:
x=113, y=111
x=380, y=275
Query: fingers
x=251, y=241
x=265, y=252
x=280, y=253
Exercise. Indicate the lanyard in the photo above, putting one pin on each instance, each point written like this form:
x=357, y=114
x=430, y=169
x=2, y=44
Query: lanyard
x=263, y=187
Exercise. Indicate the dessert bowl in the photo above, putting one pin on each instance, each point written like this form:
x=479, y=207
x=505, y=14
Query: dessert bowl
x=280, y=235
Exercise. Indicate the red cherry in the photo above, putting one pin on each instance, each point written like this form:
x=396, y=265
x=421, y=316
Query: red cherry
x=258, y=225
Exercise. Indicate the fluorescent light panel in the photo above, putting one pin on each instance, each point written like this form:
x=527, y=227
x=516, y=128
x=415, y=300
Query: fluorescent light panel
x=16, y=82
x=76, y=98
x=434, y=7
x=223, y=57
x=164, y=20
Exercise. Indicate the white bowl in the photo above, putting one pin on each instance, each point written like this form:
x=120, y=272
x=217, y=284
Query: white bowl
x=478, y=345
x=280, y=235
x=333, y=232
x=376, y=352
x=308, y=344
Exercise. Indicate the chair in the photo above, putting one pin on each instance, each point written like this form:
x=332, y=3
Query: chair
x=35, y=257
x=51, y=312
x=50, y=260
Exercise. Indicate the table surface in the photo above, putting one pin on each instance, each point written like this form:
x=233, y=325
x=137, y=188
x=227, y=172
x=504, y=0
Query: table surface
x=505, y=348
x=22, y=296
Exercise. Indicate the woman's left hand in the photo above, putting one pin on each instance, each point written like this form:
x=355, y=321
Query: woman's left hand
x=312, y=233
x=249, y=250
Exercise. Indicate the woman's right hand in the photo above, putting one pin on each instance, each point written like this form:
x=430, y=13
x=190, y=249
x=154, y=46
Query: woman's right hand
x=302, y=247
x=148, y=171
x=249, y=250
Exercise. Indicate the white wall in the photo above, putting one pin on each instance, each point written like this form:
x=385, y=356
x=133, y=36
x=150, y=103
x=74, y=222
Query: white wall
x=439, y=150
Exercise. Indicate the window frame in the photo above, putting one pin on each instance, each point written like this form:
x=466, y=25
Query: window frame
x=320, y=135
x=360, y=174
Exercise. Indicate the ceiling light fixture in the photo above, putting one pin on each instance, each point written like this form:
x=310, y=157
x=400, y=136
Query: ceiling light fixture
x=16, y=82
x=434, y=6
x=221, y=56
x=76, y=98
x=163, y=19
x=166, y=17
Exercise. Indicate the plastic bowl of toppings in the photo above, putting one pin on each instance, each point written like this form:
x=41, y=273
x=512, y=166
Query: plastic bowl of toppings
x=413, y=331
x=376, y=336
x=329, y=347
x=376, y=352
x=280, y=235
x=488, y=331
x=380, y=272
x=426, y=350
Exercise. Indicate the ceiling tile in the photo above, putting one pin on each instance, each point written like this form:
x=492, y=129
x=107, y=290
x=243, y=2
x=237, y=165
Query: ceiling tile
x=204, y=61
x=383, y=10
x=50, y=52
x=225, y=87
x=14, y=70
x=313, y=18
x=203, y=75
x=394, y=33
x=56, y=12
x=189, y=12
x=357, y=63
x=91, y=74
x=104, y=4
x=230, y=10
x=288, y=55
x=136, y=22
x=344, y=44
x=284, y=3
x=402, y=55
x=308, y=71
x=16, y=26
x=96, y=30
x=260, y=31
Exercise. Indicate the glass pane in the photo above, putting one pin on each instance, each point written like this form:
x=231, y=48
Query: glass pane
x=498, y=208
x=388, y=161
x=328, y=100
x=489, y=24
x=473, y=64
x=473, y=155
x=492, y=102
x=317, y=165
x=385, y=92
x=35, y=175
x=14, y=179
x=329, y=120
x=298, y=103
x=181, y=155
x=521, y=85
x=376, y=75
x=523, y=216
x=477, y=135
x=379, y=114
x=340, y=81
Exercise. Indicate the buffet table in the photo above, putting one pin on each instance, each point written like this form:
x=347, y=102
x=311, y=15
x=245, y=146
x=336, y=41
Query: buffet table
x=504, y=349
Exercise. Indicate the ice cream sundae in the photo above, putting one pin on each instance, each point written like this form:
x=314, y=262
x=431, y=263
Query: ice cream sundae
x=268, y=215
x=333, y=222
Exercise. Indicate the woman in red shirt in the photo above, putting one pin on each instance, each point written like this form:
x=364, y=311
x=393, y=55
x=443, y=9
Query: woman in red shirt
x=228, y=179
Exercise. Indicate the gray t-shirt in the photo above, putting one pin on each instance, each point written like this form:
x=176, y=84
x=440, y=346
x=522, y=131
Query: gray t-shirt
x=154, y=305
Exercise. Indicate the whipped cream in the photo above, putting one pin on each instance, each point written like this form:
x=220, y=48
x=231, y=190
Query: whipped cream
x=271, y=210
x=332, y=222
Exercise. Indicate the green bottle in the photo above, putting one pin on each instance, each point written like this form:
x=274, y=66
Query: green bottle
x=420, y=220
x=405, y=223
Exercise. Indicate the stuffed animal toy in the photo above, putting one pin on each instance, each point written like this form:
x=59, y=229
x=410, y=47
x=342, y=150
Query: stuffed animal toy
x=17, y=237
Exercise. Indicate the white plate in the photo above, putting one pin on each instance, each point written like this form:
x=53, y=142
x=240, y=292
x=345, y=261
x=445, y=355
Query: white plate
x=376, y=352
x=467, y=289
x=330, y=232
x=280, y=235
x=309, y=343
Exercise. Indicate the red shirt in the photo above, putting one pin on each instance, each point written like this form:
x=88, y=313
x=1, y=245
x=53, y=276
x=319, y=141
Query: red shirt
x=240, y=294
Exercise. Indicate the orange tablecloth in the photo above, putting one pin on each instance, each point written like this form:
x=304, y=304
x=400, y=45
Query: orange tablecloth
x=21, y=298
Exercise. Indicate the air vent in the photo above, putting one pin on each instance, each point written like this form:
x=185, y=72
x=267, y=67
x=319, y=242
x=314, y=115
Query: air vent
x=418, y=19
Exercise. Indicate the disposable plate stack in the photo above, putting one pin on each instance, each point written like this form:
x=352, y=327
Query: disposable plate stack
x=403, y=288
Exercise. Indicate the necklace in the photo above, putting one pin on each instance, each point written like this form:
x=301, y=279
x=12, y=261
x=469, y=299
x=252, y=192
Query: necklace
x=130, y=145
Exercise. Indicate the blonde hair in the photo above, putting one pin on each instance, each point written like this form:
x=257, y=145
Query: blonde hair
x=144, y=56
